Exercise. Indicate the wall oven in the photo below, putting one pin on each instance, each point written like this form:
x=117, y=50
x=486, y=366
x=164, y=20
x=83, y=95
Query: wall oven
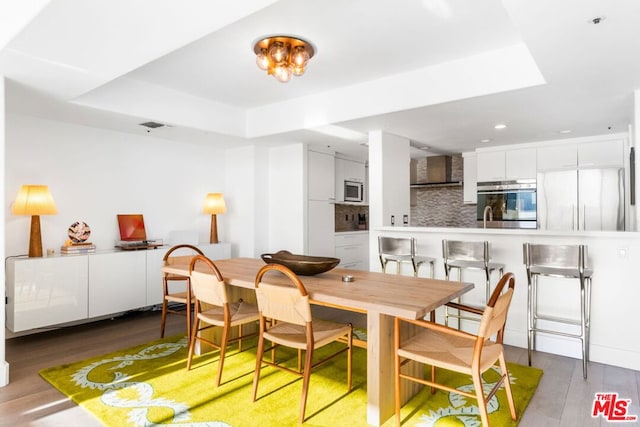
x=507, y=204
x=353, y=191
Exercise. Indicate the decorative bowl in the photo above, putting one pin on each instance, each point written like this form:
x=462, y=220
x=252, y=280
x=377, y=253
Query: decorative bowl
x=303, y=265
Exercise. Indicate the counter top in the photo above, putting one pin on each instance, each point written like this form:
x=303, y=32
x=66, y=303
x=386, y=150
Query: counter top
x=341, y=233
x=513, y=232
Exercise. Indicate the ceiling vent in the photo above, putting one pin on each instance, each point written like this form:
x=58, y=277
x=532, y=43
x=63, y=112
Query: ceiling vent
x=152, y=125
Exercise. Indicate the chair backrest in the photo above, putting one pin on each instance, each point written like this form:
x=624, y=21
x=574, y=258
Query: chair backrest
x=283, y=302
x=466, y=251
x=494, y=317
x=397, y=246
x=180, y=254
x=208, y=286
x=555, y=256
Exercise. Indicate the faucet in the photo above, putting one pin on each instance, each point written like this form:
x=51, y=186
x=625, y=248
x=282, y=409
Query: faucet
x=487, y=210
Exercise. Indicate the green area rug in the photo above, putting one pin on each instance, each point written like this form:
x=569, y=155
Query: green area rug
x=149, y=385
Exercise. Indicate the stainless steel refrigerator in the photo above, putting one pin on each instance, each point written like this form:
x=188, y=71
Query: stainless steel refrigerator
x=585, y=199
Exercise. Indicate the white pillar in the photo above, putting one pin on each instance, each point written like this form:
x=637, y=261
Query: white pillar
x=4, y=366
x=634, y=137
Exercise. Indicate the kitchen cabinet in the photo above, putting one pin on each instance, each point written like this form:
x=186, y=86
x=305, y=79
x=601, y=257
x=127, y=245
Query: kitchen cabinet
x=470, y=180
x=353, y=250
x=320, y=204
x=506, y=165
x=606, y=153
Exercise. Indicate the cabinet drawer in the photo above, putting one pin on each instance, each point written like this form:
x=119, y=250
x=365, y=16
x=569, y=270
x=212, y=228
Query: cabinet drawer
x=352, y=239
x=351, y=253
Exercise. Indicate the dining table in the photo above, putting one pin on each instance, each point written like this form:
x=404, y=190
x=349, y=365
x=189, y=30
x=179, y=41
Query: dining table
x=381, y=296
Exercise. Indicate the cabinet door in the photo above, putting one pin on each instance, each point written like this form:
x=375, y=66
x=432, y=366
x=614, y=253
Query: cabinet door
x=320, y=176
x=46, y=291
x=563, y=156
x=601, y=154
x=321, y=228
x=353, y=171
x=117, y=282
x=491, y=166
x=470, y=181
x=520, y=164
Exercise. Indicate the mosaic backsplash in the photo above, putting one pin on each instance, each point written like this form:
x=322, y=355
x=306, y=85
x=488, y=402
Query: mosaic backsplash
x=351, y=217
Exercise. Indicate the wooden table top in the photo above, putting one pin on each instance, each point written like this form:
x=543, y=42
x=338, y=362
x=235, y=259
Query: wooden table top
x=394, y=295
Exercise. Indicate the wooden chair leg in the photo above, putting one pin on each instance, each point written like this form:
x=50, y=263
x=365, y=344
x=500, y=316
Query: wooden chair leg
x=192, y=341
x=164, y=317
x=222, y=353
x=256, y=375
x=507, y=386
x=482, y=403
x=305, y=382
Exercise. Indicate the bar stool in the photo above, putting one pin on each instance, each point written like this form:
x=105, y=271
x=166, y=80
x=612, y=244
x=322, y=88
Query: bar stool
x=399, y=250
x=464, y=255
x=565, y=261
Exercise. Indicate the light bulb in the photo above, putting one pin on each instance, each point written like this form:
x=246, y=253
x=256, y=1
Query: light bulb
x=261, y=60
x=298, y=71
x=283, y=73
x=279, y=52
x=299, y=57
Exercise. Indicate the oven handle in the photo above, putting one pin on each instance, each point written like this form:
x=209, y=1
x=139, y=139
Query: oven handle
x=525, y=190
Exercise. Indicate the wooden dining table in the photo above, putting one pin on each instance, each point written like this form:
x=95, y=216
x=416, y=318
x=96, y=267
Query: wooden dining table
x=381, y=296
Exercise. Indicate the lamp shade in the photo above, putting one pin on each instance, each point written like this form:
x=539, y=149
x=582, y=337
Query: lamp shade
x=214, y=204
x=34, y=200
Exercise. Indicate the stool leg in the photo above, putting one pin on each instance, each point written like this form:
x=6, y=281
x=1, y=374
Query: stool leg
x=530, y=332
x=583, y=325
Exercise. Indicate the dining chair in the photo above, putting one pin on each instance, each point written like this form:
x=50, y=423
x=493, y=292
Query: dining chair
x=178, y=254
x=213, y=309
x=443, y=347
x=402, y=249
x=291, y=325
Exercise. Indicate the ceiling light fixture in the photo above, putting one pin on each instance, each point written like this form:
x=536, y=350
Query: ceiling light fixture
x=283, y=56
x=500, y=126
x=485, y=140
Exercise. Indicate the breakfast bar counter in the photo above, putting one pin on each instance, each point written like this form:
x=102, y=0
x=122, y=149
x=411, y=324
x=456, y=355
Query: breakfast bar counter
x=614, y=257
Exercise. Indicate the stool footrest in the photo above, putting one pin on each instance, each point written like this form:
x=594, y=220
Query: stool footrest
x=547, y=331
x=557, y=319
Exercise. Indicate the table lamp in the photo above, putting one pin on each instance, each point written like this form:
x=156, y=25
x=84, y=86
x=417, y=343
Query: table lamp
x=34, y=200
x=214, y=204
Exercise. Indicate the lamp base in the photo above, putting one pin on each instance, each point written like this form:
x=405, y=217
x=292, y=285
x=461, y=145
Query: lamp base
x=35, y=238
x=213, y=238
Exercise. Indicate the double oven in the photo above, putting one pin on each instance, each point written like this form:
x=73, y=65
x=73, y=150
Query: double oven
x=507, y=204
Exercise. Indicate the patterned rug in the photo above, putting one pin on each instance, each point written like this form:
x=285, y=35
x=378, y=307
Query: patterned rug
x=149, y=385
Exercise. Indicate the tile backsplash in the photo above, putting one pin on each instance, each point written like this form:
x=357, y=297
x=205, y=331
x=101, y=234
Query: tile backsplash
x=351, y=217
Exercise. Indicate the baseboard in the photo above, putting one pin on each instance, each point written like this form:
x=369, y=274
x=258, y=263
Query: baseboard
x=4, y=373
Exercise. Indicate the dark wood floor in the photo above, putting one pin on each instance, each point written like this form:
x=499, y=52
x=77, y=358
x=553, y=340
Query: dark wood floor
x=563, y=397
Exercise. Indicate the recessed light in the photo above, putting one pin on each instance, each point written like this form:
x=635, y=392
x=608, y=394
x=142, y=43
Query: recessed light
x=500, y=126
x=565, y=131
x=425, y=148
x=485, y=140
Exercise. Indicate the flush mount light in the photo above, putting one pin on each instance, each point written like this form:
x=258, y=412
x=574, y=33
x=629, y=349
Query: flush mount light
x=500, y=126
x=283, y=56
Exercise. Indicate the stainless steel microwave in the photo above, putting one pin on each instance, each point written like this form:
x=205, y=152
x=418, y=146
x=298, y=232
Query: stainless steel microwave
x=353, y=191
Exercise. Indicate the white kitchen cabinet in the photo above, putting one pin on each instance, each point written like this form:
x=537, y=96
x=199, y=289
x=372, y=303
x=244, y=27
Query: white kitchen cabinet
x=491, y=166
x=347, y=170
x=117, y=282
x=470, y=180
x=520, y=164
x=352, y=248
x=601, y=154
x=321, y=228
x=561, y=156
x=45, y=291
x=321, y=176
x=506, y=165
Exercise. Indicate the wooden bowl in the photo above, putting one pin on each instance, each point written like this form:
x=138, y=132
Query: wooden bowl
x=302, y=265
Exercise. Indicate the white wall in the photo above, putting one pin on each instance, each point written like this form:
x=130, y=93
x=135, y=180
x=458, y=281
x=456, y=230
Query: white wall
x=94, y=174
x=4, y=366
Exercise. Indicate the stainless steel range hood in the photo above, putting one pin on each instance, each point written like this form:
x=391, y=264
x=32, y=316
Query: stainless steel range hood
x=434, y=171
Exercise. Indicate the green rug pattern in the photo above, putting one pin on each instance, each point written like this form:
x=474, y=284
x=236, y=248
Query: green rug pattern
x=149, y=385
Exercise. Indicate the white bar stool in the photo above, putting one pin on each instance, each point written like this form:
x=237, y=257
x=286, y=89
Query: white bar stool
x=399, y=250
x=566, y=261
x=460, y=255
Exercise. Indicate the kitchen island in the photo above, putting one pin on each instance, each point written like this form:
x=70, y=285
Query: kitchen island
x=614, y=257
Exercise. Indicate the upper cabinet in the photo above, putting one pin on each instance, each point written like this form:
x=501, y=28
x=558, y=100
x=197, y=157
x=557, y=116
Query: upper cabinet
x=470, y=181
x=321, y=176
x=605, y=153
x=506, y=165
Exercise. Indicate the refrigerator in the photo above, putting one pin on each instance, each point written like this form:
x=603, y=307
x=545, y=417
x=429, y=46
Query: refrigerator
x=584, y=199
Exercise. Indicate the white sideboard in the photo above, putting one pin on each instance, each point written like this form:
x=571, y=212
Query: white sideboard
x=48, y=291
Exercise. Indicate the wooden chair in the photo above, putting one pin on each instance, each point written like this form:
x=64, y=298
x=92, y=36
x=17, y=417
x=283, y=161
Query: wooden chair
x=213, y=308
x=172, y=257
x=291, y=325
x=443, y=347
